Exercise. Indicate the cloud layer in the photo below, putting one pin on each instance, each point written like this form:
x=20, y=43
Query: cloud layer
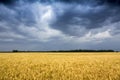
x=69, y=23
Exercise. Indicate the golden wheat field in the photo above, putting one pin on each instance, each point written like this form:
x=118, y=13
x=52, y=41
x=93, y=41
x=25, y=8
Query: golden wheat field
x=59, y=66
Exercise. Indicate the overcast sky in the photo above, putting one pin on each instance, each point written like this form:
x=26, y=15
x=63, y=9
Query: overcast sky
x=59, y=24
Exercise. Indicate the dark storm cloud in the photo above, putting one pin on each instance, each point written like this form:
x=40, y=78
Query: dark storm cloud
x=95, y=2
x=7, y=2
x=100, y=2
x=81, y=15
x=77, y=17
x=58, y=21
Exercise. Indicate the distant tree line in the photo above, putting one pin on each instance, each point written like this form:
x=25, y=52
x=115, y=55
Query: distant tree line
x=15, y=51
x=84, y=50
x=78, y=50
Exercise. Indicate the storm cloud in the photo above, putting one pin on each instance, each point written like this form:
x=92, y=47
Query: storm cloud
x=75, y=23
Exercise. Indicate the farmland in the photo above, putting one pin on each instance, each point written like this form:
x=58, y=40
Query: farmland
x=60, y=66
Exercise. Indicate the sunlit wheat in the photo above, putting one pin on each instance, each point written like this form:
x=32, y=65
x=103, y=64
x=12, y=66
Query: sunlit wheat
x=60, y=66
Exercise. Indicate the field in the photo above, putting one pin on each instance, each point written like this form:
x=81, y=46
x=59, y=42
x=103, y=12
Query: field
x=60, y=66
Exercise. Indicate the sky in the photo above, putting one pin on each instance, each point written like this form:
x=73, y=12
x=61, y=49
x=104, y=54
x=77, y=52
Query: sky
x=59, y=24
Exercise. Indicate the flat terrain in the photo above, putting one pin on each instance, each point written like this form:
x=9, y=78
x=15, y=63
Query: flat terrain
x=60, y=66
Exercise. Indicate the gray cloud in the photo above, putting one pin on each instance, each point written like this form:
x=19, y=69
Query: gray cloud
x=59, y=22
x=77, y=17
x=6, y=1
x=110, y=2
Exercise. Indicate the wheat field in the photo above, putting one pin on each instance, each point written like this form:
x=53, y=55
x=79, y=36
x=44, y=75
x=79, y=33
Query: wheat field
x=60, y=66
